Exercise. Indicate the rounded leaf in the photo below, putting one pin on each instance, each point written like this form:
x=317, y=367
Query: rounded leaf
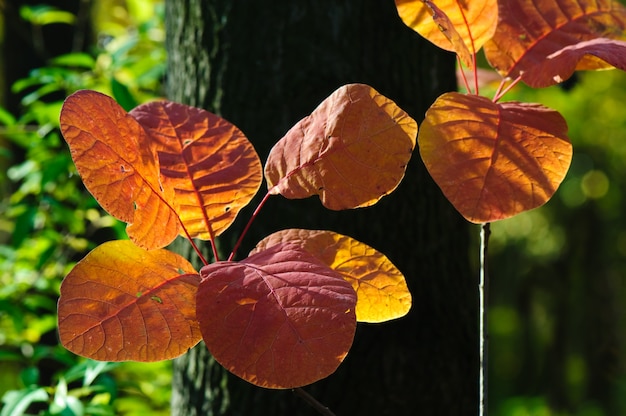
x=351, y=151
x=494, y=160
x=124, y=303
x=382, y=293
x=561, y=65
x=460, y=27
x=529, y=32
x=278, y=319
x=208, y=162
x=115, y=161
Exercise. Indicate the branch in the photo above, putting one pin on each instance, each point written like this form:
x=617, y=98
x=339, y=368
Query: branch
x=312, y=401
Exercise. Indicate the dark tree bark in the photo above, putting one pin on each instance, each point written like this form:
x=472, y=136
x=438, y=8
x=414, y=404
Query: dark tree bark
x=265, y=65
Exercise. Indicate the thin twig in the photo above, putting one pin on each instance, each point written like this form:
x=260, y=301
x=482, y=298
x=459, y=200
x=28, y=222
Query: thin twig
x=245, y=230
x=312, y=401
x=501, y=90
x=483, y=290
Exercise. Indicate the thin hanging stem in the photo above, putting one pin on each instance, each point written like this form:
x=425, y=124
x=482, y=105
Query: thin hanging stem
x=312, y=401
x=483, y=291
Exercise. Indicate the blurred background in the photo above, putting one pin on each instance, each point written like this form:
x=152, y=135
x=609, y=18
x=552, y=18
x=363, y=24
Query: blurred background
x=557, y=273
x=47, y=220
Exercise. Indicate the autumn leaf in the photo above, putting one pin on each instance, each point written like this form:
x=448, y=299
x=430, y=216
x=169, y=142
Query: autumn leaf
x=211, y=166
x=163, y=163
x=113, y=156
x=494, y=160
x=561, y=65
x=278, y=319
x=124, y=303
x=382, y=293
x=461, y=27
x=528, y=32
x=351, y=151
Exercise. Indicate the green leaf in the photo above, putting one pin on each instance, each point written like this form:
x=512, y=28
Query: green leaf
x=80, y=60
x=66, y=404
x=6, y=118
x=122, y=95
x=16, y=402
x=88, y=371
x=44, y=15
x=30, y=376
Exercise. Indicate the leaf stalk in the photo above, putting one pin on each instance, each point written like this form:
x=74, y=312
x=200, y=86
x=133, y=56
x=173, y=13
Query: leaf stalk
x=312, y=401
x=245, y=230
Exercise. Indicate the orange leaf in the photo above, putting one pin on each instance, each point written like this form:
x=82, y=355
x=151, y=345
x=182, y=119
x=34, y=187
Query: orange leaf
x=351, y=151
x=529, y=32
x=382, y=293
x=494, y=160
x=114, y=159
x=207, y=161
x=278, y=319
x=125, y=303
x=461, y=27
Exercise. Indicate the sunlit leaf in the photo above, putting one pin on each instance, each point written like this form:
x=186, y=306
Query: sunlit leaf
x=561, y=65
x=207, y=161
x=278, y=319
x=461, y=27
x=351, y=151
x=115, y=161
x=494, y=160
x=529, y=32
x=125, y=303
x=382, y=293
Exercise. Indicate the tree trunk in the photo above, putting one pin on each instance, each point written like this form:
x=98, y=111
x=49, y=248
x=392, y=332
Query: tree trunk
x=265, y=65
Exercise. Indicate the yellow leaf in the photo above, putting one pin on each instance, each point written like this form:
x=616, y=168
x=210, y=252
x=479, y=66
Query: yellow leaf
x=382, y=293
x=122, y=303
x=473, y=22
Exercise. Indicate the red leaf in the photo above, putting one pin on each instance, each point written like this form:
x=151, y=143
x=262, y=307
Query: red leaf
x=351, y=151
x=125, y=303
x=208, y=163
x=561, y=65
x=278, y=319
x=530, y=31
x=493, y=161
x=115, y=161
x=382, y=293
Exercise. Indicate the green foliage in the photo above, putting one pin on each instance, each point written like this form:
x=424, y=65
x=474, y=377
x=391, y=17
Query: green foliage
x=48, y=220
x=84, y=388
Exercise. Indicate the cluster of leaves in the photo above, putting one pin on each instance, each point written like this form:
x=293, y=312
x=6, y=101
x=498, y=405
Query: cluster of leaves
x=85, y=388
x=494, y=160
x=284, y=316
